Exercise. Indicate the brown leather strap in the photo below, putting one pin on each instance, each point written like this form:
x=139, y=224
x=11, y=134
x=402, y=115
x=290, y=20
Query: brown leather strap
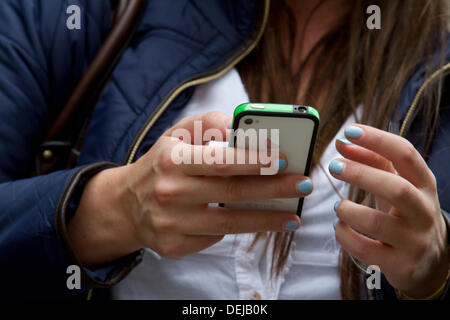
x=66, y=131
x=120, y=9
x=93, y=81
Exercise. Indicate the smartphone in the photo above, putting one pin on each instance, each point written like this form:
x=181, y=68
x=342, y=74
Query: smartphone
x=296, y=127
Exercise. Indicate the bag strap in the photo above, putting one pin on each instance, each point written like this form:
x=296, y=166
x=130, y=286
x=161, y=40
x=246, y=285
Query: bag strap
x=59, y=148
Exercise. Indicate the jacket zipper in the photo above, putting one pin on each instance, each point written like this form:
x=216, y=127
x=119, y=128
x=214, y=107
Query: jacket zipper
x=222, y=70
x=412, y=109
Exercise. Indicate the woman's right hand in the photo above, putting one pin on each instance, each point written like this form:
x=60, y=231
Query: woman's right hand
x=164, y=206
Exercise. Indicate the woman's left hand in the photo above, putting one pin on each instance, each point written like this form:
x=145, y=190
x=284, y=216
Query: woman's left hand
x=408, y=241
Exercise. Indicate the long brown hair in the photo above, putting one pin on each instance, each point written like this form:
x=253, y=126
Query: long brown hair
x=353, y=66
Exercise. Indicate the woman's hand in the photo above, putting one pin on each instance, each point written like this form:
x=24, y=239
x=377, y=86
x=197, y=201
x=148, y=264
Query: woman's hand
x=161, y=205
x=407, y=239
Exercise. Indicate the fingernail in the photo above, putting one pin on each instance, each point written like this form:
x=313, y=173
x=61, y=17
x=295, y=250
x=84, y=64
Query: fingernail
x=335, y=223
x=291, y=226
x=281, y=164
x=336, y=205
x=229, y=125
x=304, y=186
x=336, y=166
x=353, y=132
x=344, y=140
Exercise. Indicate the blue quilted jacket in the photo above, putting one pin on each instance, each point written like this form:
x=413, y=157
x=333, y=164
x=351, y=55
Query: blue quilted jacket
x=178, y=45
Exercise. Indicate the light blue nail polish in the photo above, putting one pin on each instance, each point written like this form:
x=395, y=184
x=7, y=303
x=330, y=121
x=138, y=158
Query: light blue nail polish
x=291, y=226
x=335, y=223
x=229, y=125
x=336, y=166
x=304, y=186
x=336, y=205
x=353, y=132
x=281, y=164
x=344, y=140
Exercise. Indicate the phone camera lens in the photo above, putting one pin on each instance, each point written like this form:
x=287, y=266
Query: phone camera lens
x=248, y=121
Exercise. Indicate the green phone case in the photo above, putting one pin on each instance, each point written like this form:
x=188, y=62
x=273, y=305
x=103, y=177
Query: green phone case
x=280, y=110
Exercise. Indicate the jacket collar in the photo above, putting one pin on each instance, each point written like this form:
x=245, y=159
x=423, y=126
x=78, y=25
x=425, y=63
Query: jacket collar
x=421, y=78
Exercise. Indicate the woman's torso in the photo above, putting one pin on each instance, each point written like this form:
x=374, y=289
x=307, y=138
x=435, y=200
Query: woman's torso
x=228, y=270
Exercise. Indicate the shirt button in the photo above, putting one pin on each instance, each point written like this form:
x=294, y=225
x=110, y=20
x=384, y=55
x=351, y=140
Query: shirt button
x=256, y=296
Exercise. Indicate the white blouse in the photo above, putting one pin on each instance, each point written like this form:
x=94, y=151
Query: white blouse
x=227, y=270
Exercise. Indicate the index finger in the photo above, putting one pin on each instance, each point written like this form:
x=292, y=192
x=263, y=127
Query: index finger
x=405, y=158
x=193, y=129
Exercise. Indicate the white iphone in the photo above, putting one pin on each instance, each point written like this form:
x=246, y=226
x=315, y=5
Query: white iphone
x=294, y=128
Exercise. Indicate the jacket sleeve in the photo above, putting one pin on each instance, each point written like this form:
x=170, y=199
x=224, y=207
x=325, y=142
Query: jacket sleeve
x=40, y=61
x=34, y=246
